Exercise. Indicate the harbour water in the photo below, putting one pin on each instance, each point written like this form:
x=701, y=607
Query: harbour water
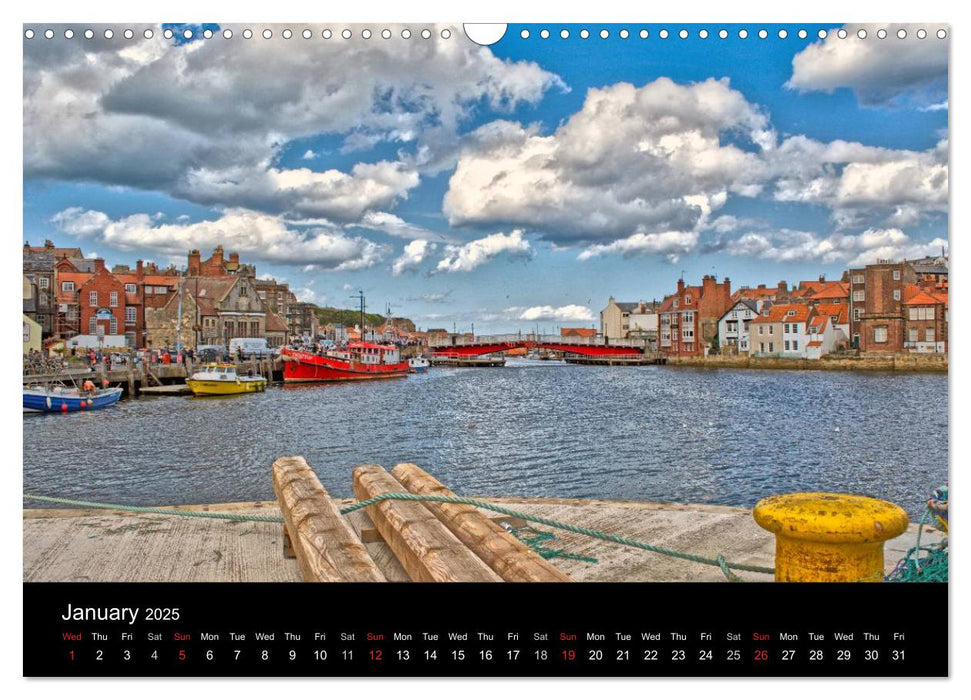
x=539, y=429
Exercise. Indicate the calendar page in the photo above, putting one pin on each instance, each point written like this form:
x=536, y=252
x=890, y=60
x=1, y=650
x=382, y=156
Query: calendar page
x=622, y=347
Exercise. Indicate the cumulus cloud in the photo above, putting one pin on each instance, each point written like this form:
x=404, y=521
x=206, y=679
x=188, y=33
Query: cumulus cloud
x=671, y=244
x=879, y=71
x=255, y=235
x=655, y=158
x=466, y=258
x=861, y=249
x=206, y=120
x=860, y=183
x=570, y=312
x=412, y=257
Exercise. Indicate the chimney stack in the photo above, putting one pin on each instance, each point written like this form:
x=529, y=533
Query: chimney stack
x=99, y=264
x=139, y=268
x=680, y=285
x=194, y=262
x=217, y=256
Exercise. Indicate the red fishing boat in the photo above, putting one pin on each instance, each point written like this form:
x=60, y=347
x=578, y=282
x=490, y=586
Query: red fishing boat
x=356, y=361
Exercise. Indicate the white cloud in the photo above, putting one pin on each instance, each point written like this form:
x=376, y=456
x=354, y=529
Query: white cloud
x=255, y=235
x=396, y=226
x=860, y=249
x=207, y=120
x=650, y=159
x=672, y=244
x=467, y=257
x=570, y=312
x=308, y=155
x=860, y=183
x=412, y=256
x=879, y=71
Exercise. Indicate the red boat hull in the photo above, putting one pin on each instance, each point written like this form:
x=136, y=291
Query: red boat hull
x=307, y=367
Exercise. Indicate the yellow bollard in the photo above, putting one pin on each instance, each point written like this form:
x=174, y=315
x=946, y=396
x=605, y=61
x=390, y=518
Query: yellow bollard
x=829, y=537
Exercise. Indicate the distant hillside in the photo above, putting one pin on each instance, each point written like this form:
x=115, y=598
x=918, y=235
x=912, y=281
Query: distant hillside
x=350, y=318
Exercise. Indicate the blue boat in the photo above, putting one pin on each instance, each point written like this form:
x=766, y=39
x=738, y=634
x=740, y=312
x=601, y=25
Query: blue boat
x=67, y=400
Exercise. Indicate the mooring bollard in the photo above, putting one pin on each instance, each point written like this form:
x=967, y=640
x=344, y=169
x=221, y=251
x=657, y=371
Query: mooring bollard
x=829, y=537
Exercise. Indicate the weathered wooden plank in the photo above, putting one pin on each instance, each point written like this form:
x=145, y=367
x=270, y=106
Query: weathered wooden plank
x=506, y=555
x=423, y=545
x=326, y=547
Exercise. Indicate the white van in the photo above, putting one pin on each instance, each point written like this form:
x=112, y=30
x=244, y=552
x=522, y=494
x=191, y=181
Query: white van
x=251, y=347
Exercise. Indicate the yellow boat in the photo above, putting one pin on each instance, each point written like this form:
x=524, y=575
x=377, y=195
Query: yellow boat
x=222, y=380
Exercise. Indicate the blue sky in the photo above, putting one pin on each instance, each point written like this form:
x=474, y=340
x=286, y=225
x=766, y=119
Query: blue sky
x=509, y=187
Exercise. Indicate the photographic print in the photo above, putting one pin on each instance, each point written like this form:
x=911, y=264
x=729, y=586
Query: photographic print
x=590, y=304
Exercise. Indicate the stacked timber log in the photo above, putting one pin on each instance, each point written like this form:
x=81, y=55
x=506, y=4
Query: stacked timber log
x=505, y=554
x=325, y=545
x=432, y=541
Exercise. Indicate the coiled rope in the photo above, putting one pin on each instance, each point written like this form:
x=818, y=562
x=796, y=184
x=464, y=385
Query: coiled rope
x=725, y=566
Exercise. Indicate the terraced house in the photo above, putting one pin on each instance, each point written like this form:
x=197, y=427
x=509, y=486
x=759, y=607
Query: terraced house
x=688, y=319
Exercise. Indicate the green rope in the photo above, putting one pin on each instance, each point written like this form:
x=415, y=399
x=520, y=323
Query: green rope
x=158, y=511
x=926, y=563
x=720, y=561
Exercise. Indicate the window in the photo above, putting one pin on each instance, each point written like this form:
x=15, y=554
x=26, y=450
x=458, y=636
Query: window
x=745, y=326
x=896, y=295
x=786, y=329
x=858, y=295
x=787, y=346
x=113, y=299
x=113, y=328
x=857, y=279
x=131, y=289
x=761, y=330
x=795, y=327
x=771, y=347
x=761, y=347
x=687, y=300
x=880, y=334
x=67, y=286
x=913, y=335
x=92, y=298
x=929, y=335
x=44, y=282
x=244, y=291
x=856, y=314
x=92, y=325
x=131, y=315
x=795, y=344
x=675, y=303
x=689, y=316
x=896, y=274
x=922, y=313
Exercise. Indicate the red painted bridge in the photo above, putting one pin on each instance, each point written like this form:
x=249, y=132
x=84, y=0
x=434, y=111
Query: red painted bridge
x=463, y=346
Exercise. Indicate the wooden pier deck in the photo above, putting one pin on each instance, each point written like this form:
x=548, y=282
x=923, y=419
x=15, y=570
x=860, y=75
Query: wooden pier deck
x=137, y=380
x=100, y=545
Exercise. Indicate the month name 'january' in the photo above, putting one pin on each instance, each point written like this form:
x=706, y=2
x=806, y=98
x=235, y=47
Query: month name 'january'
x=128, y=615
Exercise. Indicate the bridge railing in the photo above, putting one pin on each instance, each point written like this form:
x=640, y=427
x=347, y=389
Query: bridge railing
x=539, y=338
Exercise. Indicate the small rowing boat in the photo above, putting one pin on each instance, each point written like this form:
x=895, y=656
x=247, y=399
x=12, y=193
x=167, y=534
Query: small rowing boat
x=63, y=399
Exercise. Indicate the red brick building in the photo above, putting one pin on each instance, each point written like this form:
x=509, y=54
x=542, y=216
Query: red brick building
x=112, y=301
x=688, y=319
x=877, y=306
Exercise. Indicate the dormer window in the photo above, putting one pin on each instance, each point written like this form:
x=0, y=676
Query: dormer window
x=675, y=303
x=791, y=312
x=687, y=300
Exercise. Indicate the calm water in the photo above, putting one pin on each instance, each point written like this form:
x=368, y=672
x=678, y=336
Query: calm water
x=529, y=429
